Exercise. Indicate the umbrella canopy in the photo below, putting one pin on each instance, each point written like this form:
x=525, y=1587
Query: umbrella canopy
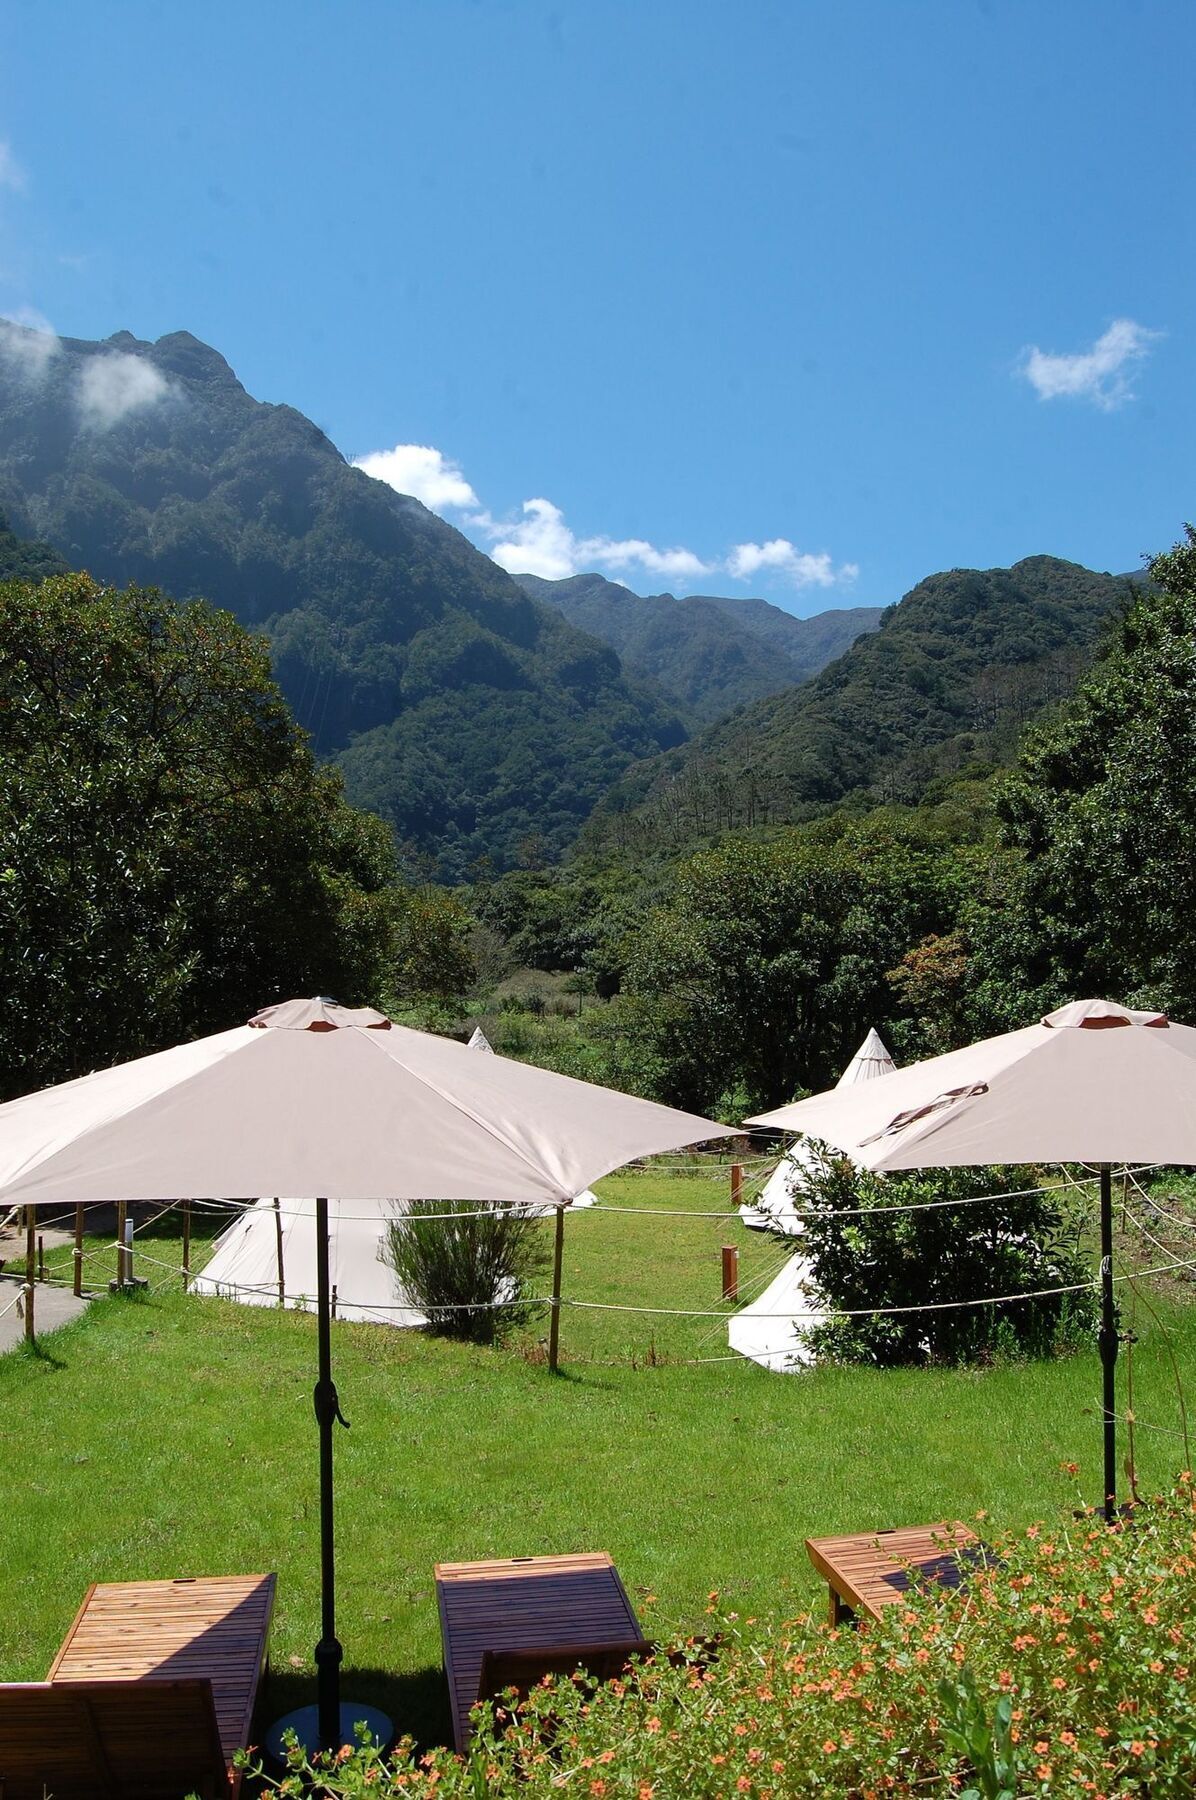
x=1091, y=1083
x=312, y=1099
x=315, y=1099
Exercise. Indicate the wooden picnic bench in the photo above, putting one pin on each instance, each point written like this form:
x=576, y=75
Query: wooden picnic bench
x=507, y=1623
x=149, y=1698
x=869, y=1570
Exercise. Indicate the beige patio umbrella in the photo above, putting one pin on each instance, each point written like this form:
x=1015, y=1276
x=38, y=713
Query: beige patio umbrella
x=313, y=1099
x=1091, y=1083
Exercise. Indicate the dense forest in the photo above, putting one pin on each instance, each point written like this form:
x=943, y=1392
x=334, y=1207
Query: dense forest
x=707, y=655
x=465, y=713
x=945, y=684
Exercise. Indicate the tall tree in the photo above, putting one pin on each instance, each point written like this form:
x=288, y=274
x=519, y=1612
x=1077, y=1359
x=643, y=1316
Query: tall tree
x=1103, y=808
x=171, y=858
x=765, y=963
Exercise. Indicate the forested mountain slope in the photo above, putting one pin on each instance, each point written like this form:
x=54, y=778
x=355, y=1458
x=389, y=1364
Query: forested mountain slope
x=23, y=561
x=460, y=708
x=954, y=671
x=708, y=654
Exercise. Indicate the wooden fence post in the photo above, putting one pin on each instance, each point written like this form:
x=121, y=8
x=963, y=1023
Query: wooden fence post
x=282, y=1288
x=30, y=1270
x=186, y=1245
x=77, y=1285
x=730, y=1272
x=736, y=1185
x=554, y=1317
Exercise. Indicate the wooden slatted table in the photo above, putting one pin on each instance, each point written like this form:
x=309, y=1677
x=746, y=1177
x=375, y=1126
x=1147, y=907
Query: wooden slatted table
x=869, y=1570
x=212, y=1626
x=524, y=1603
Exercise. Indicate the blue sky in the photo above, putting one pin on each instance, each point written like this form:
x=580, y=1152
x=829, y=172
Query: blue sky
x=734, y=297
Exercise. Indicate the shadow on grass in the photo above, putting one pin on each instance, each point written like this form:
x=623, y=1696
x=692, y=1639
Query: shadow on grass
x=36, y=1352
x=417, y=1702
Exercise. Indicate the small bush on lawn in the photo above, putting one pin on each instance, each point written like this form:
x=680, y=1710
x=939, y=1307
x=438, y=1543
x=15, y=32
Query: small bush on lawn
x=467, y=1267
x=1064, y=1668
x=978, y=1232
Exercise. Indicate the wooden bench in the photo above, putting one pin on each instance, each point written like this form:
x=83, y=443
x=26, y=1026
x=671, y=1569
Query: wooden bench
x=110, y=1740
x=869, y=1570
x=152, y=1677
x=507, y=1623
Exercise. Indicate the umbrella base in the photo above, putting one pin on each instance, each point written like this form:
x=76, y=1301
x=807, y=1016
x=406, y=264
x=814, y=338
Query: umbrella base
x=305, y=1723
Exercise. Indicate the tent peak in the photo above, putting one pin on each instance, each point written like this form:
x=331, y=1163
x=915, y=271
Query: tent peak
x=1102, y=1015
x=318, y=1014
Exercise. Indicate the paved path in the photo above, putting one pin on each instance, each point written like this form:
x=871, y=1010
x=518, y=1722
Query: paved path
x=52, y=1306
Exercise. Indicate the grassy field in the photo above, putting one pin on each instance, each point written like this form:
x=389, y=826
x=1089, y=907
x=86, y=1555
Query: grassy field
x=175, y=1435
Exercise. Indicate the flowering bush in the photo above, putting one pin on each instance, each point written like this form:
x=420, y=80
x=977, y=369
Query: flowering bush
x=1063, y=1668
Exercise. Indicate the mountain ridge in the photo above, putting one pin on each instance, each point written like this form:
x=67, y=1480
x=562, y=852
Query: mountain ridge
x=952, y=673
x=708, y=653
x=464, y=711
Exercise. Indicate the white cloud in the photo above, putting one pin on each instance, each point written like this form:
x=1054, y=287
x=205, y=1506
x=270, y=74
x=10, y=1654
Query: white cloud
x=116, y=384
x=542, y=543
x=28, y=343
x=1101, y=374
x=540, y=540
x=12, y=175
x=420, y=470
x=799, y=567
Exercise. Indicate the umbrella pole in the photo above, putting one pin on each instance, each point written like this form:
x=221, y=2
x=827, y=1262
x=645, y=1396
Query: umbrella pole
x=328, y=1650
x=1108, y=1340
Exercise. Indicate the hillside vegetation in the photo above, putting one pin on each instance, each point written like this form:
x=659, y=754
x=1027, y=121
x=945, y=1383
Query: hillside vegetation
x=708, y=654
x=460, y=709
x=953, y=673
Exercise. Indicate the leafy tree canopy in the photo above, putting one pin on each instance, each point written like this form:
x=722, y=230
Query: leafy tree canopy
x=1102, y=807
x=171, y=857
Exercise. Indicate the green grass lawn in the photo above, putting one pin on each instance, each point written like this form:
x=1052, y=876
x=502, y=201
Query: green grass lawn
x=175, y=1435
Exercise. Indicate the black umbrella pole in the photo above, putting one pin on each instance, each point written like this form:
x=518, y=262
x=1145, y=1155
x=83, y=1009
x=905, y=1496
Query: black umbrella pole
x=1108, y=1340
x=328, y=1650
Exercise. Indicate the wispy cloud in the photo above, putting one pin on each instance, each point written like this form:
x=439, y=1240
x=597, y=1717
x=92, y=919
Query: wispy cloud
x=12, y=175
x=116, y=384
x=802, y=568
x=28, y=343
x=1101, y=374
x=420, y=470
x=538, y=540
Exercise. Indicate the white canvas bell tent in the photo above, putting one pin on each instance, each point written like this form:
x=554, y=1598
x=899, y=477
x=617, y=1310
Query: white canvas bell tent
x=770, y=1330
x=774, y=1210
x=245, y=1262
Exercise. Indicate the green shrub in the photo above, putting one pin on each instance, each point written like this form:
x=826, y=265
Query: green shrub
x=1063, y=1669
x=980, y=1232
x=468, y=1268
